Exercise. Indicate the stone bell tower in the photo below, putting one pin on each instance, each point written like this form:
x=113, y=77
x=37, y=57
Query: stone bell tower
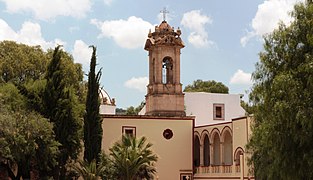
x=164, y=91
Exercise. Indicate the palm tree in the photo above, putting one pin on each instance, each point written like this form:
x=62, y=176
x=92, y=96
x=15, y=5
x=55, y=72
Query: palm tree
x=133, y=159
x=89, y=171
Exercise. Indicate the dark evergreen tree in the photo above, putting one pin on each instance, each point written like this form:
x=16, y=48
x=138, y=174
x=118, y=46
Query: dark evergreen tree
x=61, y=107
x=54, y=86
x=92, y=120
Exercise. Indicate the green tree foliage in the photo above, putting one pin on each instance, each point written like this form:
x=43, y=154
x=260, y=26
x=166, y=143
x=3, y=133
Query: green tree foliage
x=11, y=99
x=89, y=171
x=62, y=108
x=106, y=163
x=57, y=92
x=281, y=144
x=131, y=111
x=132, y=158
x=93, y=170
x=24, y=65
x=247, y=107
x=92, y=119
x=120, y=111
x=26, y=138
x=73, y=74
x=134, y=111
x=206, y=86
x=33, y=91
x=20, y=62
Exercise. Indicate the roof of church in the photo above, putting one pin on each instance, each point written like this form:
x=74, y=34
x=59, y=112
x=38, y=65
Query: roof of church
x=144, y=117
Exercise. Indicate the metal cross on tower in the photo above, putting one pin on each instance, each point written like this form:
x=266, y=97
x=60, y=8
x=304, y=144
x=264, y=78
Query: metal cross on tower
x=164, y=11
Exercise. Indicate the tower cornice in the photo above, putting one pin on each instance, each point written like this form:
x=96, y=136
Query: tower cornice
x=164, y=34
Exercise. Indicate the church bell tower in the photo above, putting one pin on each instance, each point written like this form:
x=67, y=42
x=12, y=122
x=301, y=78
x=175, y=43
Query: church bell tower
x=164, y=91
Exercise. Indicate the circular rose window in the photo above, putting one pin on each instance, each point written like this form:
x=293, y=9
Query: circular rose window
x=167, y=134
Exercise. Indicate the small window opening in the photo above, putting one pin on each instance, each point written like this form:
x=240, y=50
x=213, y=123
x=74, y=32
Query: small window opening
x=129, y=131
x=218, y=111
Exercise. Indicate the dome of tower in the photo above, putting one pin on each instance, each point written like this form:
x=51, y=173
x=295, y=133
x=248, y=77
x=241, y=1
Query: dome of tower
x=105, y=98
x=164, y=26
x=107, y=105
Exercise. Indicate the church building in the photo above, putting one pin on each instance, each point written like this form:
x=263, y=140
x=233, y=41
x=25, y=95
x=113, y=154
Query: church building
x=164, y=123
x=195, y=135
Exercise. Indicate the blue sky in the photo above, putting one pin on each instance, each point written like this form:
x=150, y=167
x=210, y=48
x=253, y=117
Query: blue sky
x=222, y=38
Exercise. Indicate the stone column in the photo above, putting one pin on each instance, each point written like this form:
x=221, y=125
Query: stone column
x=241, y=167
x=221, y=153
x=211, y=154
x=201, y=154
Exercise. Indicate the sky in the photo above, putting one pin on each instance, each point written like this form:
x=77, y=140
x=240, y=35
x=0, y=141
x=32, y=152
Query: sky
x=222, y=38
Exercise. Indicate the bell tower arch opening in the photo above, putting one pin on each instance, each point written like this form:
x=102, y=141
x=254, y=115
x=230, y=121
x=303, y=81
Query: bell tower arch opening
x=167, y=70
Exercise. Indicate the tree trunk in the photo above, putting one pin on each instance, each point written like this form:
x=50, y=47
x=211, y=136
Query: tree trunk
x=23, y=171
x=56, y=173
x=62, y=173
x=10, y=172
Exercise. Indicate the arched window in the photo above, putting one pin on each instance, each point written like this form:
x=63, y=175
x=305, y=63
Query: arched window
x=216, y=149
x=167, y=70
x=238, y=152
x=206, y=151
x=196, y=151
x=228, y=148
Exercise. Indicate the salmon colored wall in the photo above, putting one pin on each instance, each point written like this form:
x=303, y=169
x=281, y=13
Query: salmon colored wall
x=175, y=154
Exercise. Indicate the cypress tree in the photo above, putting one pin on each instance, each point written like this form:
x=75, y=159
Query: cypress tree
x=92, y=119
x=61, y=108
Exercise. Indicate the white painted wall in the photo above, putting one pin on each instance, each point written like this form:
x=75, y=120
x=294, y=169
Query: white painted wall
x=200, y=104
x=107, y=109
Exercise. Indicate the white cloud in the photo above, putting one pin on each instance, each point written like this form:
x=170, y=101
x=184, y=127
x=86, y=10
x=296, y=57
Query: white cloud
x=196, y=22
x=266, y=19
x=245, y=39
x=130, y=33
x=199, y=41
x=49, y=9
x=139, y=83
x=82, y=53
x=241, y=77
x=6, y=32
x=29, y=34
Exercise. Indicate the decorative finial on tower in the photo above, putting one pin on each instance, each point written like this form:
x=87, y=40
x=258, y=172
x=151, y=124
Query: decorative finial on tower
x=150, y=34
x=164, y=11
